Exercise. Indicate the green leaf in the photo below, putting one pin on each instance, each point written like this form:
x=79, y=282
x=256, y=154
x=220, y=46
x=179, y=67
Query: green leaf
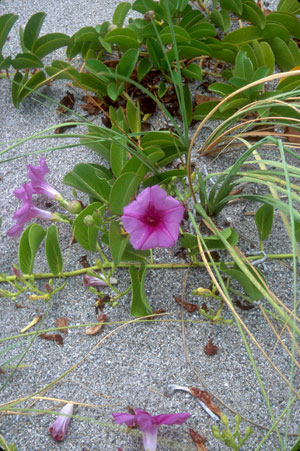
x=159, y=139
x=272, y=31
x=194, y=49
x=125, y=38
x=120, y=13
x=28, y=246
x=296, y=447
x=117, y=241
x=32, y=29
x=50, y=42
x=84, y=178
x=118, y=157
x=26, y=61
x=264, y=221
x=283, y=55
x=202, y=110
x=155, y=52
x=114, y=90
x=202, y=30
x=139, y=303
x=164, y=177
x=243, y=66
x=181, y=35
x=289, y=21
x=162, y=89
x=264, y=55
x=189, y=241
x=35, y=82
x=99, y=69
x=187, y=98
x=144, y=66
x=221, y=19
x=252, y=13
x=221, y=88
x=6, y=23
x=135, y=165
x=193, y=71
x=244, y=281
x=297, y=231
x=243, y=35
x=85, y=34
x=232, y=5
x=289, y=6
x=5, y=62
x=133, y=116
x=53, y=252
x=122, y=192
x=16, y=86
x=127, y=63
x=86, y=235
x=233, y=104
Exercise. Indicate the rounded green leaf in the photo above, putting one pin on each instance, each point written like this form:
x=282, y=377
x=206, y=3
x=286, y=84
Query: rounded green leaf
x=117, y=241
x=26, y=61
x=6, y=23
x=32, y=29
x=86, y=235
x=50, y=42
x=28, y=246
x=125, y=38
x=120, y=13
x=180, y=34
x=123, y=191
x=264, y=221
x=127, y=62
x=53, y=252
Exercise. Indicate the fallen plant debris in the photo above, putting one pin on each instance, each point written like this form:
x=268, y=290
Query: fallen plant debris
x=198, y=439
x=53, y=337
x=94, y=330
x=67, y=101
x=205, y=397
x=62, y=324
x=186, y=305
x=210, y=349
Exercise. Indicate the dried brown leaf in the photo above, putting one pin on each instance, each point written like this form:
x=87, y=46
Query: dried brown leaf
x=156, y=313
x=62, y=323
x=243, y=306
x=84, y=261
x=63, y=128
x=201, y=98
x=292, y=135
x=94, y=330
x=67, y=101
x=92, y=104
x=198, y=440
x=53, y=337
x=206, y=398
x=186, y=305
x=210, y=348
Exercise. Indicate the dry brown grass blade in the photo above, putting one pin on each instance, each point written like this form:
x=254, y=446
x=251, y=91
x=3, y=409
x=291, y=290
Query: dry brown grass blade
x=207, y=118
x=241, y=322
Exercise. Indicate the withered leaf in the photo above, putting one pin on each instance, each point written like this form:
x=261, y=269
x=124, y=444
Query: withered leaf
x=94, y=330
x=293, y=135
x=63, y=128
x=67, y=101
x=156, y=313
x=210, y=348
x=84, y=261
x=204, y=307
x=198, y=440
x=53, y=337
x=206, y=398
x=100, y=302
x=186, y=305
x=62, y=323
x=201, y=98
x=243, y=306
x=92, y=104
x=19, y=305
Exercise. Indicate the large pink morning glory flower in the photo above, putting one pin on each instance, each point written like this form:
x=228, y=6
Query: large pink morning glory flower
x=149, y=424
x=58, y=429
x=153, y=219
x=39, y=184
x=27, y=211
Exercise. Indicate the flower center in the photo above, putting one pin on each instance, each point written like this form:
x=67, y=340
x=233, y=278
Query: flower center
x=152, y=220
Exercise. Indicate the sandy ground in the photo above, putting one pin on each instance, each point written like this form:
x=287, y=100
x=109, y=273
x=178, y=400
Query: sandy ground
x=131, y=365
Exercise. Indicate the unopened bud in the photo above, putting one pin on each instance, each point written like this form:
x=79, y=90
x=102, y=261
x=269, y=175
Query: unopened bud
x=112, y=27
x=17, y=272
x=48, y=288
x=89, y=221
x=75, y=207
x=150, y=14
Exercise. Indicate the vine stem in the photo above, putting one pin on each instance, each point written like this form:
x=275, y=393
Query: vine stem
x=106, y=265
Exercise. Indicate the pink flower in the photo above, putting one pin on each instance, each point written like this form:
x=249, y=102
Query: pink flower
x=59, y=428
x=92, y=281
x=149, y=424
x=153, y=219
x=39, y=184
x=27, y=211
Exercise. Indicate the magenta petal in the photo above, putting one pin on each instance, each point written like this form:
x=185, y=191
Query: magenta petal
x=125, y=418
x=172, y=418
x=58, y=429
x=153, y=219
x=39, y=184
